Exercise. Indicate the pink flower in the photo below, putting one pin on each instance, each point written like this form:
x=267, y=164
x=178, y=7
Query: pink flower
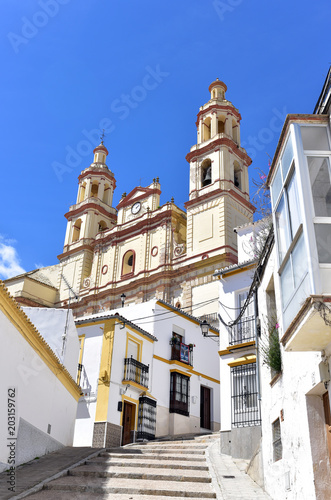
x=263, y=177
x=277, y=325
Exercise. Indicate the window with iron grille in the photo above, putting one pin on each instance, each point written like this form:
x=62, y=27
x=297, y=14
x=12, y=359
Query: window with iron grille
x=244, y=330
x=277, y=441
x=146, y=418
x=245, y=403
x=179, y=393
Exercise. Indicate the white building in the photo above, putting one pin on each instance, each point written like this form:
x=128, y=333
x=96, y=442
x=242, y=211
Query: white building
x=240, y=404
x=146, y=372
x=291, y=292
x=38, y=394
x=296, y=403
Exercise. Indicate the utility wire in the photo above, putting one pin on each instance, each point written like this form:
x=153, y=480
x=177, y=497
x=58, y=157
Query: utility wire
x=256, y=278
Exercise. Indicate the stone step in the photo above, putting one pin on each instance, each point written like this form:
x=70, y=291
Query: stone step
x=181, y=445
x=159, y=450
x=152, y=456
x=130, y=486
x=160, y=464
x=151, y=474
x=70, y=495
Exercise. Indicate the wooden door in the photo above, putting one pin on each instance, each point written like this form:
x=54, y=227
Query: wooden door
x=128, y=423
x=205, y=407
x=327, y=414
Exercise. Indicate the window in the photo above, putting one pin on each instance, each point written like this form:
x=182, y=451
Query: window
x=179, y=393
x=244, y=330
x=319, y=174
x=276, y=441
x=206, y=172
x=102, y=226
x=287, y=216
x=82, y=192
x=76, y=230
x=221, y=125
x=94, y=189
x=206, y=129
x=146, y=418
x=237, y=175
x=245, y=404
x=128, y=263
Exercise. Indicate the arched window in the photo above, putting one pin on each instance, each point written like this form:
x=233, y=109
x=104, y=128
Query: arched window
x=220, y=125
x=237, y=175
x=76, y=232
x=128, y=262
x=95, y=189
x=206, y=129
x=102, y=226
x=206, y=172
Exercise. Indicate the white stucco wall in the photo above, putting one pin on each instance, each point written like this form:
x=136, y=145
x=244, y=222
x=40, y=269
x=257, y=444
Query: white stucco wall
x=53, y=324
x=41, y=399
x=288, y=401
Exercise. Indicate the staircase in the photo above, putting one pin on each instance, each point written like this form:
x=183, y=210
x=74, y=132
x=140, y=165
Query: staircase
x=156, y=470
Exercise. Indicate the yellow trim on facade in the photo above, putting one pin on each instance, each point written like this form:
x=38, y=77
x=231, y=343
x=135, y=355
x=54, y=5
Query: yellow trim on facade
x=101, y=413
x=193, y=372
x=206, y=377
x=180, y=363
x=181, y=372
x=84, y=325
x=245, y=360
x=134, y=384
x=155, y=356
x=82, y=341
x=139, y=343
x=14, y=313
x=224, y=353
x=136, y=331
x=239, y=346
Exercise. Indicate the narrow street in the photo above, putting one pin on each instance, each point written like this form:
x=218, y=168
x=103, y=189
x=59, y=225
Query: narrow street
x=157, y=470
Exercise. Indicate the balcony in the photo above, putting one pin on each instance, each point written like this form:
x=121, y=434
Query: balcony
x=134, y=371
x=242, y=332
x=182, y=352
x=310, y=330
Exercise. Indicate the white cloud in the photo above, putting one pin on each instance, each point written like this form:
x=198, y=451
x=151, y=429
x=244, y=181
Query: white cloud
x=9, y=260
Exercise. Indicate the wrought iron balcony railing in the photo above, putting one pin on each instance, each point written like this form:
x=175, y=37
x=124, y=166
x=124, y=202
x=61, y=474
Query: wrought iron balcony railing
x=134, y=371
x=242, y=332
x=182, y=352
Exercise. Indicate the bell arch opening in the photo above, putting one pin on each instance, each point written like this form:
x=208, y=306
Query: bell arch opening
x=206, y=172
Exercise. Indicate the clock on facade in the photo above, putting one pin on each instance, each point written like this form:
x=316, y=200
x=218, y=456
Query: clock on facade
x=136, y=208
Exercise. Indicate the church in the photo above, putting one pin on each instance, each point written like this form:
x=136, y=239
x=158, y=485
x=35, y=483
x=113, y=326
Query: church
x=139, y=250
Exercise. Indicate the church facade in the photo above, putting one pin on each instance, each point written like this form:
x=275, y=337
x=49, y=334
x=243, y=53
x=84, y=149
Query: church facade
x=141, y=250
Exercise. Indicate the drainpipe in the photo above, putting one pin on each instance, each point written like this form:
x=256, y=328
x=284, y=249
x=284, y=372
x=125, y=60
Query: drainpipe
x=257, y=335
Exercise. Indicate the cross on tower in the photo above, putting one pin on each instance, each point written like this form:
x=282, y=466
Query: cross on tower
x=102, y=136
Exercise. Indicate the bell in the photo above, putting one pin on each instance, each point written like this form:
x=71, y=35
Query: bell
x=207, y=177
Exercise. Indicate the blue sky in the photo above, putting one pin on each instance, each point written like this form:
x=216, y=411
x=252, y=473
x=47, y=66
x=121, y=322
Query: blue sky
x=72, y=67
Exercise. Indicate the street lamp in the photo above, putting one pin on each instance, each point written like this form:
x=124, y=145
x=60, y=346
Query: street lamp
x=123, y=297
x=204, y=328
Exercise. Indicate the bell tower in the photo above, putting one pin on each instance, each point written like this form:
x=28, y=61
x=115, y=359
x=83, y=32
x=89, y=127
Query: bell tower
x=219, y=184
x=89, y=218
